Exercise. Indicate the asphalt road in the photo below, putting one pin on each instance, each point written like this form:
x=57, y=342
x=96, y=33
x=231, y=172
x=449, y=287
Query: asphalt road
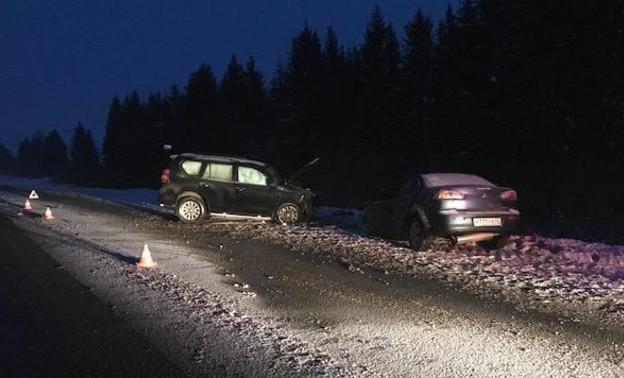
x=52, y=326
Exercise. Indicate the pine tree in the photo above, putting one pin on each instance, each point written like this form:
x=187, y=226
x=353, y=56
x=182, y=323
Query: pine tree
x=30, y=157
x=6, y=160
x=26, y=159
x=85, y=163
x=297, y=97
x=156, y=122
x=418, y=55
x=232, y=93
x=175, y=108
x=127, y=143
x=457, y=91
x=113, y=148
x=255, y=104
x=54, y=159
x=338, y=98
x=202, y=127
x=380, y=60
x=380, y=53
x=304, y=70
x=380, y=124
x=133, y=143
x=445, y=68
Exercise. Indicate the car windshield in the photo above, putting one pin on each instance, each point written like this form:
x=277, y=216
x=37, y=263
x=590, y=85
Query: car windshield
x=453, y=179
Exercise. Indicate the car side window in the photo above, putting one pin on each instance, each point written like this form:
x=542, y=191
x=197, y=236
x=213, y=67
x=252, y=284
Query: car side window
x=218, y=172
x=248, y=175
x=191, y=167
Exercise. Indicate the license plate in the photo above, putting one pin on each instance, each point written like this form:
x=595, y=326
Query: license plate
x=480, y=222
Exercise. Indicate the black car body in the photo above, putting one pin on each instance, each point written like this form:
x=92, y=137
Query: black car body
x=197, y=185
x=461, y=207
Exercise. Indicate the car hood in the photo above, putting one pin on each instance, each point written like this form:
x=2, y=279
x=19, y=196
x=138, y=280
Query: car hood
x=303, y=169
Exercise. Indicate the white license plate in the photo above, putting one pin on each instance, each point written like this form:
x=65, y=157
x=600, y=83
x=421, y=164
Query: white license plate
x=480, y=222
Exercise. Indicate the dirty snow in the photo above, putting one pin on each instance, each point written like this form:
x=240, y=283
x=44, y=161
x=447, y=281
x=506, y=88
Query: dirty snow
x=577, y=279
x=530, y=271
x=569, y=276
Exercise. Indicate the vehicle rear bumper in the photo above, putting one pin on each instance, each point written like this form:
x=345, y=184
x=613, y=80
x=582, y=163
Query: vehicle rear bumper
x=166, y=197
x=460, y=222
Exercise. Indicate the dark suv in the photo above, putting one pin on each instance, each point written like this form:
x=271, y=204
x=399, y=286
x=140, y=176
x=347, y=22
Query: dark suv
x=196, y=185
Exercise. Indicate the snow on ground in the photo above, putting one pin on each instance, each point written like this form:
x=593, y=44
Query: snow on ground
x=530, y=271
x=137, y=197
x=349, y=219
x=564, y=275
x=212, y=337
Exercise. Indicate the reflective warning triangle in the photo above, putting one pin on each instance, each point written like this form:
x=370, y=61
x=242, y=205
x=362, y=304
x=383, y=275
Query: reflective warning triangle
x=33, y=195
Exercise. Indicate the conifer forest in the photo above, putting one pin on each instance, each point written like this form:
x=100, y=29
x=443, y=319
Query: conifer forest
x=528, y=94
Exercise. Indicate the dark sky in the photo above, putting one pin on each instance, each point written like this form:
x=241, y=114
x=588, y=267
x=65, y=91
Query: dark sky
x=62, y=61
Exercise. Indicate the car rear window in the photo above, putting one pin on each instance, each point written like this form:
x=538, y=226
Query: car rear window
x=452, y=179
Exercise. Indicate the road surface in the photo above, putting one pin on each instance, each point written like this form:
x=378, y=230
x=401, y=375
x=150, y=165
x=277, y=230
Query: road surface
x=52, y=326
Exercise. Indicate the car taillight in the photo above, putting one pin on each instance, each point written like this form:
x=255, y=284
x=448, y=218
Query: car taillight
x=450, y=195
x=164, y=176
x=509, y=195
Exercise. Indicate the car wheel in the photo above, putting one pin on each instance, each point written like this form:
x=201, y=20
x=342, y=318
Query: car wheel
x=190, y=209
x=496, y=242
x=288, y=213
x=418, y=239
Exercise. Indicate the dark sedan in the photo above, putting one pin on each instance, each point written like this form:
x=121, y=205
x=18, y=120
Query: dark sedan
x=457, y=206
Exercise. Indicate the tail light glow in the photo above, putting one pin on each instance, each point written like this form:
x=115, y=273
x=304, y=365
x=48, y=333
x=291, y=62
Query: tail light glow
x=509, y=195
x=450, y=195
x=164, y=176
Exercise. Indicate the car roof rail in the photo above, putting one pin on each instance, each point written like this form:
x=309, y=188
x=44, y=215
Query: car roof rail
x=230, y=158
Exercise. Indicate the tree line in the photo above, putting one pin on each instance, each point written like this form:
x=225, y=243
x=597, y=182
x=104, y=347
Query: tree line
x=525, y=93
x=48, y=156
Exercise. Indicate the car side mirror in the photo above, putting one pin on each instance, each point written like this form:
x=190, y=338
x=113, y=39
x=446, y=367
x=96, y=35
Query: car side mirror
x=271, y=181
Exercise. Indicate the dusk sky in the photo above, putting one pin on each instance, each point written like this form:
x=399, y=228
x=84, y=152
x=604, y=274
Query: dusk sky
x=62, y=61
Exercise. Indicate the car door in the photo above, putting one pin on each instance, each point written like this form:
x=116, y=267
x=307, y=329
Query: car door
x=400, y=207
x=253, y=194
x=216, y=185
x=378, y=212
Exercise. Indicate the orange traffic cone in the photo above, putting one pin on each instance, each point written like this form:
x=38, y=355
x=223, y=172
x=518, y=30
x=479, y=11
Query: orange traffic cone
x=27, y=205
x=48, y=213
x=146, y=259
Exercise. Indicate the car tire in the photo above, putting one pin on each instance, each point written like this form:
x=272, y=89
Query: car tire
x=190, y=209
x=496, y=242
x=288, y=214
x=417, y=236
